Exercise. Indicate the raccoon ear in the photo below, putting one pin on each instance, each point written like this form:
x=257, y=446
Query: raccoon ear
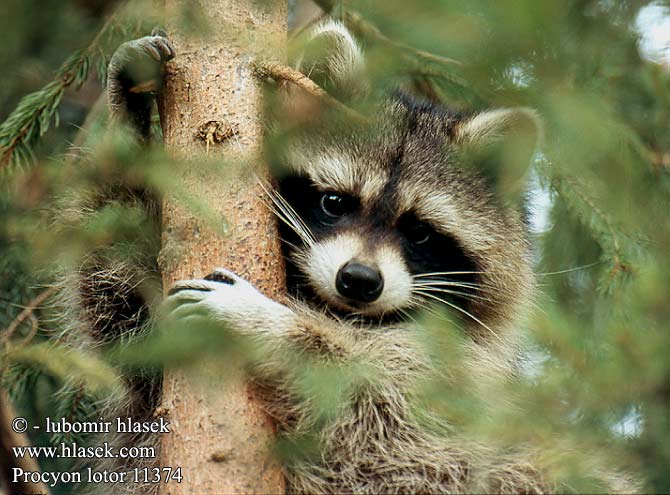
x=500, y=143
x=330, y=56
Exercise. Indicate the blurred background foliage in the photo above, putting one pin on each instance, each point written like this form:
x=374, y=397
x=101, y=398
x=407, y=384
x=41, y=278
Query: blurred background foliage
x=596, y=373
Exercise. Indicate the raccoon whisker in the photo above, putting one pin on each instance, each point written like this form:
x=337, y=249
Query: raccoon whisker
x=539, y=274
x=459, y=283
x=460, y=289
x=442, y=274
x=286, y=217
x=393, y=311
x=482, y=295
x=449, y=283
x=287, y=214
x=442, y=317
x=420, y=303
x=462, y=294
x=293, y=246
x=437, y=274
x=275, y=196
x=468, y=285
x=293, y=214
x=457, y=308
x=421, y=306
x=479, y=285
x=482, y=287
x=422, y=293
x=405, y=314
x=568, y=270
x=417, y=302
x=301, y=255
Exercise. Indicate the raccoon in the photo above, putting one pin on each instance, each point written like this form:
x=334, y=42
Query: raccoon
x=378, y=221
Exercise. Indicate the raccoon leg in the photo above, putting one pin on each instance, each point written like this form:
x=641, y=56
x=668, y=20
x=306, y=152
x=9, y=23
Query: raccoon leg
x=108, y=298
x=371, y=447
x=223, y=296
x=111, y=287
x=133, y=77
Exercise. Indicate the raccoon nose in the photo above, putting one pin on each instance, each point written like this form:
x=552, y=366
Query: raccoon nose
x=359, y=282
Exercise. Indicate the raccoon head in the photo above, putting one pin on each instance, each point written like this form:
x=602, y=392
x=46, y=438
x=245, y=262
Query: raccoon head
x=405, y=211
x=382, y=220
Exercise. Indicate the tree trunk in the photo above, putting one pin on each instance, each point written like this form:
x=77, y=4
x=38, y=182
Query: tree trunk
x=212, y=104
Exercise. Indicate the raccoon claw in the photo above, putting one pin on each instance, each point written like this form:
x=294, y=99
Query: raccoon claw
x=160, y=48
x=158, y=31
x=207, y=284
x=221, y=277
x=139, y=60
x=176, y=289
x=157, y=46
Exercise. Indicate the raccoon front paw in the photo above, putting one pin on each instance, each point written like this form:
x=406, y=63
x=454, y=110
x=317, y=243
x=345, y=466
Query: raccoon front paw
x=136, y=65
x=224, y=296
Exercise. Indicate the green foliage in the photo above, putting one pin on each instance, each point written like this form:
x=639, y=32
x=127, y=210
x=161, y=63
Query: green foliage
x=38, y=111
x=64, y=364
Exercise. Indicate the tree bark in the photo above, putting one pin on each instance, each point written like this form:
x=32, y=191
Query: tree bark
x=211, y=104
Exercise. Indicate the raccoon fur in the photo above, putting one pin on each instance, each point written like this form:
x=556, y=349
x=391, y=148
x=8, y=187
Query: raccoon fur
x=377, y=221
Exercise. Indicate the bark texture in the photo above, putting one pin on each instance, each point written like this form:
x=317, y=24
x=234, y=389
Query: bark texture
x=211, y=105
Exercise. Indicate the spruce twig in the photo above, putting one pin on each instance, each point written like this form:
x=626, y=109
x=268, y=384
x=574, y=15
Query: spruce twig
x=603, y=226
x=35, y=113
x=282, y=72
x=27, y=313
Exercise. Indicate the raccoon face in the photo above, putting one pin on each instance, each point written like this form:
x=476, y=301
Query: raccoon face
x=383, y=220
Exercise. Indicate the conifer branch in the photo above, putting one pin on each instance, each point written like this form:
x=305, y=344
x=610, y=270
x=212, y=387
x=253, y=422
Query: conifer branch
x=36, y=112
x=281, y=72
x=27, y=313
x=601, y=226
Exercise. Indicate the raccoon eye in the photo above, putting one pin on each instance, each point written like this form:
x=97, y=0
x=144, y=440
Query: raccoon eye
x=337, y=205
x=417, y=232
